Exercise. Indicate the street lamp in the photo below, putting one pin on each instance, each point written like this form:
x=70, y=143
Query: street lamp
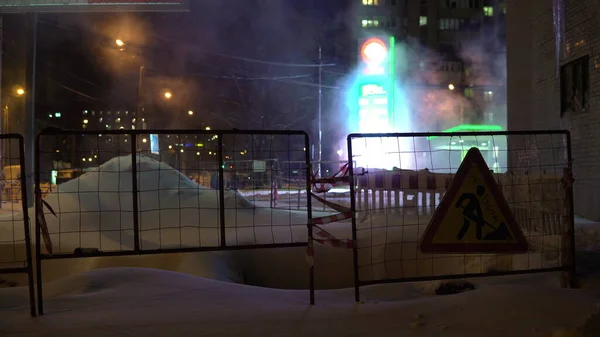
x=168, y=95
x=119, y=42
x=18, y=90
x=191, y=113
x=451, y=86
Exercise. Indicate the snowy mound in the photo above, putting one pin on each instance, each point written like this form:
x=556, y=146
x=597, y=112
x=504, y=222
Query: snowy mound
x=96, y=211
x=142, y=302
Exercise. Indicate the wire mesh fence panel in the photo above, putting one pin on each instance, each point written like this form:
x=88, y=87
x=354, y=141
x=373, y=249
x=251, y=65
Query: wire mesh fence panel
x=401, y=179
x=126, y=192
x=293, y=193
x=151, y=191
x=12, y=225
x=15, y=240
x=261, y=211
x=91, y=207
x=178, y=190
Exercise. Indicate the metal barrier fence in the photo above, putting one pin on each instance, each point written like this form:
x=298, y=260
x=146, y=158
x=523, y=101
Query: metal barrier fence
x=401, y=179
x=291, y=191
x=15, y=239
x=135, y=195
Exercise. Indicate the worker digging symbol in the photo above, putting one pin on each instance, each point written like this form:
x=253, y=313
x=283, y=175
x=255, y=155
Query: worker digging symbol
x=472, y=213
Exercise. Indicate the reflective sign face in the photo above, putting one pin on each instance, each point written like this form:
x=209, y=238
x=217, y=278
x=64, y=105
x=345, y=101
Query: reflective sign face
x=27, y=6
x=473, y=216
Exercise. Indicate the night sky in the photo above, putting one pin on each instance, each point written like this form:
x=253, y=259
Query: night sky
x=236, y=63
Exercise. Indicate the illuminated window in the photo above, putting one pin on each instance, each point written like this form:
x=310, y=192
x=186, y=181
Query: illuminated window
x=370, y=2
x=488, y=96
x=422, y=21
x=488, y=11
x=370, y=23
x=469, y=92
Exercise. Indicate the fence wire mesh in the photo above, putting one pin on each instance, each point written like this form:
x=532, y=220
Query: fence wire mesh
x=402, y=178
x=13, y=223
x=181, y=180
x=16, y=262
x=292, y=194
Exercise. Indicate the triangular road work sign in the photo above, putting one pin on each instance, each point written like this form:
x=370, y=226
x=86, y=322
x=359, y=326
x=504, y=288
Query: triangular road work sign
x=473, y=216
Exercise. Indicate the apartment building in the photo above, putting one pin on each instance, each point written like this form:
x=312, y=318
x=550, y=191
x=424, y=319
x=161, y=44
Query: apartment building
x=449, y=45
x=553, y=68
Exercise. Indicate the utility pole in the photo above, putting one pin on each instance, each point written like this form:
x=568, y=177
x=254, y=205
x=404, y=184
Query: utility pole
x=29, y=111
x=139, y=119
x=320, y=144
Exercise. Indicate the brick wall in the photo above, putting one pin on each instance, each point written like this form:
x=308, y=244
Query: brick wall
x=582, y=18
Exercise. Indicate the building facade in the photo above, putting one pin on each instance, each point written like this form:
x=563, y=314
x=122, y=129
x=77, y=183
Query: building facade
x=553, y=75
x=451, y=55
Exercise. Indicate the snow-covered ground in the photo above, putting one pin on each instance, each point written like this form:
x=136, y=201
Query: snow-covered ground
x=201, y=294
x=145, y=302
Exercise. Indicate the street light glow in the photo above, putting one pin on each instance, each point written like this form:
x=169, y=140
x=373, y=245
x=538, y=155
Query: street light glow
x=191, y=113
x=208, y=128
x=374, y=51
x=451, y=86
x=168, y=95
x=20, y=91
x=119, y=42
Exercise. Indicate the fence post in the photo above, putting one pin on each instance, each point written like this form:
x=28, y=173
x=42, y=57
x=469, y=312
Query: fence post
x=38, y=230
x=134, y=191
x=353, y=210
x=308, y=175
x=221, y=188
x=568, y=240
x=24, y=203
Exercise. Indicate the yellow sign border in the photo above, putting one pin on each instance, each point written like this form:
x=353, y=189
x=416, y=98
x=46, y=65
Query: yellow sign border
x=473, y=158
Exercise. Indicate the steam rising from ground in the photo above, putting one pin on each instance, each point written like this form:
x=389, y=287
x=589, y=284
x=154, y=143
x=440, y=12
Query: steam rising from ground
x=424, y=100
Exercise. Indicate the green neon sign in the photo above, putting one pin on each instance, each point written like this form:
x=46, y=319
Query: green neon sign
x=470, y=128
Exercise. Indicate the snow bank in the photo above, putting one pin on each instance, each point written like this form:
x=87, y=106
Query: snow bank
x=151, y=303
x=95, y=211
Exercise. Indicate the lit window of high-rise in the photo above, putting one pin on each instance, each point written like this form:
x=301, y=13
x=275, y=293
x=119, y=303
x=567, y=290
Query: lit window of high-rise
x=488, y=11
x=370, y=2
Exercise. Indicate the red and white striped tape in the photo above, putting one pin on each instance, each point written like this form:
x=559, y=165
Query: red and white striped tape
x=321, y=185
x=331, y=218
x=328, y=239
x=323, y=236
x=422, y=180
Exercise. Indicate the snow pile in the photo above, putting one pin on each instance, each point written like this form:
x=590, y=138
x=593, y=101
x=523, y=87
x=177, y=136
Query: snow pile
x=96, y=211
x=142, y=302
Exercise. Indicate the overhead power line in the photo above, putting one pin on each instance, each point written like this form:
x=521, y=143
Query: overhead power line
x=203, y=51
x=247, y=59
